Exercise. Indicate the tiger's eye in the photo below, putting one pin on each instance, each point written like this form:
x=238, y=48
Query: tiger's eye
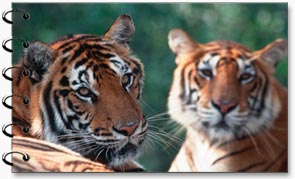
x=206, y=73
x=245, y=76
x=126, y=79
x=83, y=91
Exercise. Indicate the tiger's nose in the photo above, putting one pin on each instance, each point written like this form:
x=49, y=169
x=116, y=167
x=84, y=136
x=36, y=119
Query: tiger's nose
x=224, y=106
x=127, y=129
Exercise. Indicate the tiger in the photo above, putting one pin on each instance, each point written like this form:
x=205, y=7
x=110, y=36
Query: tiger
x=83, y=92
x=233, y=109
x=51, y=154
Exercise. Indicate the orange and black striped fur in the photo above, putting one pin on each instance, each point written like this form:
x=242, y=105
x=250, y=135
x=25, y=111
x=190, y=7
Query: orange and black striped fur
x=83, y=92
x=234, y=110
x=49, y=157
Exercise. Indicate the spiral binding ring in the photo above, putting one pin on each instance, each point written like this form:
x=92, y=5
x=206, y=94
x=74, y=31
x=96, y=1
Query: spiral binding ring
x=26, y=15
x=26, y=44
x=25, y=129
x=26, y=157
x=26, y=101
x=26, y=72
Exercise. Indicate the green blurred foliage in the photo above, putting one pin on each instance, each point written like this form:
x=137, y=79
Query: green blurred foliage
x=253, y=25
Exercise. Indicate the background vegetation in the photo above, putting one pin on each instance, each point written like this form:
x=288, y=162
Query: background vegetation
x=253, y=25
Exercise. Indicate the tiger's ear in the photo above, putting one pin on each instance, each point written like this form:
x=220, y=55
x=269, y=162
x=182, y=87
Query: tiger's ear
x=122, y=30
x=180, y=42
x=37, y=58
x=274, y=52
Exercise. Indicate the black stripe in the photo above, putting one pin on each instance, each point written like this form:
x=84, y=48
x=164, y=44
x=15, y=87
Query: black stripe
x=253, y=87
x=20, y=122
x=196, y=81
x=63, y=61
x=251, y=166
x=110, y=71
x=64, y=81
x=72, y=118
x=63, y=69
x=98, y=129
x=232, y=154
x=95, y=68
x=95, y=46
x=42, y=120
x=264, y=91
x=81, y=73
x=69, y=48
x=74, y=82
x=274, y=161
x=77, y=53
x=59, y=111
x=80, y=63
x=99, y=54
x=257, y=94
x=49, y=110
x=105, y=134
x=138, y=66
x=83, y=126
x=64, y=92
x=191, y=91
x=182, y=81
x=107, y=140
x=70, y=105
x=89, y=65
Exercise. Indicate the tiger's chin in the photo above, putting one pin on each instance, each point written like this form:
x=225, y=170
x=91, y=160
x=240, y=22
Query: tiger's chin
x=219, y=134
x=228, y=129
x=125, y=154
x=115, y=156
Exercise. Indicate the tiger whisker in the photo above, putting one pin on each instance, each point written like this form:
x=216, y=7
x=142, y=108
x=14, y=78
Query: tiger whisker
x=158, y=119
x=84, y=147
x=99, y=151
x=273, y=138
x=148, y=106
x=92, y=147
x=160, y=114
x=248, y=131
x=161, y=140
x=75, y=146
x=155, y=139
x=149, y=143
x=163, y=133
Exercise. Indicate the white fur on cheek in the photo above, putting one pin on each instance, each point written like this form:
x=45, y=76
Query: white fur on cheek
x=175, y=110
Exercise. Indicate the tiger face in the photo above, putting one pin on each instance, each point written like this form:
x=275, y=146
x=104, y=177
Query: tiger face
x=222, y=89
x=86, y=92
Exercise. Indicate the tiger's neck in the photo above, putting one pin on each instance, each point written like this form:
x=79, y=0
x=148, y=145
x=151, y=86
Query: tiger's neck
x=265, y=151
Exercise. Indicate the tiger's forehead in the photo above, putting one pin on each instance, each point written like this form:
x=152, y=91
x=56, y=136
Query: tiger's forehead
x=224, y=54
x=95, y=51
x=226, y=50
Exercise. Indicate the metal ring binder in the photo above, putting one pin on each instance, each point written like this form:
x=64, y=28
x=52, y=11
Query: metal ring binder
x=26, y=157
x=25, y=129
x=26, y=15
x=26, y=101
x=26, y=44
x=26, y=72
